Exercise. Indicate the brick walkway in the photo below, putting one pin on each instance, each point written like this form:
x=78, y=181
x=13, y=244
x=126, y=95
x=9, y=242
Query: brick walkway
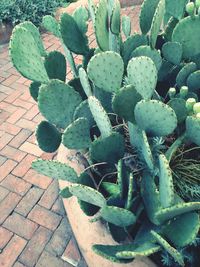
x=34, y=230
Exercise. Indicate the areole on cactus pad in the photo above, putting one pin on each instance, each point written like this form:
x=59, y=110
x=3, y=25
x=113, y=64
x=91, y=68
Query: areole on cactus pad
x=132, y=112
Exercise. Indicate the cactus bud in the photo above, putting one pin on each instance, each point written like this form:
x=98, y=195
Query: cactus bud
x=196, y=108
x=172, y=92
x=190, y=104
x=190, y=8
x=197, y=3
x=198, y=115
x=183, y=91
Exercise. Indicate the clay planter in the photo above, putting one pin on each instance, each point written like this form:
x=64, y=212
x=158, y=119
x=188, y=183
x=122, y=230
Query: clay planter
x=87, y=233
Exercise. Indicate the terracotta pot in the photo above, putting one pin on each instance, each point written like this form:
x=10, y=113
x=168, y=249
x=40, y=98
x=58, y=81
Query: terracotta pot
x=87, y=233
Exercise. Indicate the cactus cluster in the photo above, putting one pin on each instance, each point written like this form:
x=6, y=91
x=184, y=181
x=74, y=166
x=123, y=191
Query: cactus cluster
x=132, y=105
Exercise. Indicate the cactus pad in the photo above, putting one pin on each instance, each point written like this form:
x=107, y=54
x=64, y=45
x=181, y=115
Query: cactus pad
x=81, y=17
x=56, y=66
x=55, y=169
x=142, y=73
x=85, y=82
x=147, y=13
x=72, y=37
x=57, y=102
x=193, y=81
x=126, y=25
x=88, y=195
x=34, y=90
x=124, y=102
x=166, y=188
x=100, y=71
x=176, y=8
x=51, y=25
x=111, y=189
x=118, y=216
x=65, y=193
x=26, y=55
x=156, y=22
x=172, y=251
x=115, y=21
x=109, y=149
x=146, y=151
x=83, y=110
x=147, y=51
x=155, y=117
x=172, y=52
x=178, y=105
x=184, y=73
x=77, y=135
x=183, y=34
x=193, y=129
x=182, y=231
x=100, y=116
x=76, y=84
x=101, y=26
x=48, y=137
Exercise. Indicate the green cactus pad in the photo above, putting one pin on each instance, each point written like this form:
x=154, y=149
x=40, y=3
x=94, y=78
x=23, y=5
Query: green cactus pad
x=178, y=105
x=193, y=129
x=156, y=22
x=88, y=194
x=77, y=135
x=48, y=137
x=118, y=216
x=183, y=34
x=83, y=110
x=166, y=188
x=81, y=17
x=65, y=193
x=184, y=73
x=55, y=169
x=30, y=27
x=119, y=234
x=124, y=102
x=170, y=28
x=176, y=8
x=182, y=231
x=105, y=99
x=115, y=20
x=172, y=251
x=109, y=149
x=57, y=102
x=150, y=196
x=142, y=74
x=165, y=70
x=131, y=188
x=122, y=179
x=144, y=233
x=172, y=52
x=131, y=44
x=76, y=84
x=147, y=13
x=72, y=37
x=111, y=189
x=126, y=25
x=181, y=208
x=144, y=250
x=100, y=116
x=155, y=117
x=135, y=135
x=101, y=26
x=51, y=25
x=26, y=55
x=56, y=66
x=146, y=151
x=85, y=82
x=147, y=51
x=193, y=81
x=100, y=71
x=34, y=90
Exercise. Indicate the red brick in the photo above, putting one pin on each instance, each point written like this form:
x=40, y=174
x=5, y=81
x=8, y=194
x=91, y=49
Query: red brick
x=35, y=246
x=6, y=168
x=5, y=237
x=38, y=118
x=20, y=225
x=18, y=264
x=13, y=153
x=37, y=179
x=8, y=205
x=23, y=166
x=5, y=139
x=48, y=156
x=71, y=253
x=7, y=66
x=12, y=251
x=20, y=138
x=10, y=128
x=21, y=103
x=26, y=96
x=7, y=107
x=22, y=80
x=11, y=98
x=31, y=113
x=47, y=259
x=3, y=116
x=44, y=217
x=3, y=193
x=31, y=149
x=14, y=71
x=50, y=195
x=10, y=80
x=19, y=87
x=26, y=124
x=16, y=115
x=16, y=185
x=32, y=139
x=29, y=201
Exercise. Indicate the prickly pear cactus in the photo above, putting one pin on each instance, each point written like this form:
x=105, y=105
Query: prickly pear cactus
x=132, y=110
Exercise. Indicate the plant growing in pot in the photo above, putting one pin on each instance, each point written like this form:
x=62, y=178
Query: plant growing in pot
x=132, y=114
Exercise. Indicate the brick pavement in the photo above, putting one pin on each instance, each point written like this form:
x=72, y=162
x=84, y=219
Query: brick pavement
x=34, y=230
